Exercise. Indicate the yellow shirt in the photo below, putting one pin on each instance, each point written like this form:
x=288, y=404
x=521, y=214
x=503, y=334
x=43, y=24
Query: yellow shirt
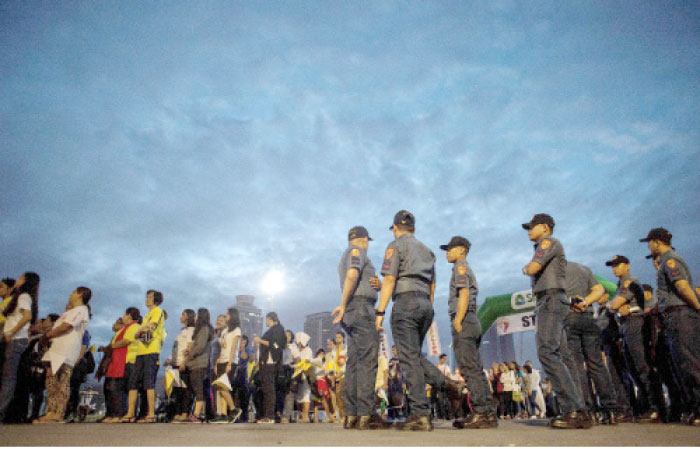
x=155, y=315
x=4, y=304
x=133, y=347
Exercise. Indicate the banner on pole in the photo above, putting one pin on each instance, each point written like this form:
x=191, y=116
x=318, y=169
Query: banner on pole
x=384, y=349
x=434, y=347
x=519, y=322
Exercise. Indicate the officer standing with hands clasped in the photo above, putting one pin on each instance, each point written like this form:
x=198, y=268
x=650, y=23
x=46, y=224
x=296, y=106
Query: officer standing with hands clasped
x=630, y=292
x=466, y=336
x=680, y=309
x=409, y=276
x=547, y=270
x=359, y=284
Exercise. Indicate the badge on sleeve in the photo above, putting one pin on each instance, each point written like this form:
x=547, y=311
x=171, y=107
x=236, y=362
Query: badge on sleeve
x=355, y=256
x=389, y=253
x=671, y=263
x=546, y=244
x=462, y=270
x=627, y=283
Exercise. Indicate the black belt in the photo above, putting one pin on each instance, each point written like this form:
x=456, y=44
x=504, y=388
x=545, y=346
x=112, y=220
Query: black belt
x=549, y=291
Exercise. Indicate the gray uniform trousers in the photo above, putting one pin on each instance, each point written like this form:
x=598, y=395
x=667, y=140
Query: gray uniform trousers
x=551, y=313
x=631, y=330
x=466, y=347
x=411, y=317
x=584, y=341
x=362, y=357
x=682, y=332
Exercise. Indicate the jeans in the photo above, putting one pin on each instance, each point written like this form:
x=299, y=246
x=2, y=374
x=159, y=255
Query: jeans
x=13, y=354
x=551, y=312
x=466, y=348
x=411, y=317
x=361, y=367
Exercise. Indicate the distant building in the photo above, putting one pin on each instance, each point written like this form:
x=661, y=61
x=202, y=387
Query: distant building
x=251, y=316
x=320, y=328
x=495, y=348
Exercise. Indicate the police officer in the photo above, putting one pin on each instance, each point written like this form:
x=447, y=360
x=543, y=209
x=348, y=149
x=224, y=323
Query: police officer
x=409, y=276
x=680, y=309
x=356, y=312
x=585, y=340
x=547, y=270
x=466, y=336
x=631, y=293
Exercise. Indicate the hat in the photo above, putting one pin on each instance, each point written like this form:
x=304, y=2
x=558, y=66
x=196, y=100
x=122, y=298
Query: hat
x=404, y=217
x=658, y=234
x=616, y=261
x=540, y=219
x=649, y=256
x=358, y=232
x=455, y=242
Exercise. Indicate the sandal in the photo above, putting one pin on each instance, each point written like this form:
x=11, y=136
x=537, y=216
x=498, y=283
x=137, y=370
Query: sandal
x=128, y=419
x=148, y=420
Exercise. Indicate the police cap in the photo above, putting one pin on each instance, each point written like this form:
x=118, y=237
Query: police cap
x=404, y=217
x=358, y=232
x=455, y=242
x=540, y=219
x=616, y=261
x=660, y=234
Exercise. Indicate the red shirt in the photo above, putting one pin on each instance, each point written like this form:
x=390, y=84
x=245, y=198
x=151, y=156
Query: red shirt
x=118, y=362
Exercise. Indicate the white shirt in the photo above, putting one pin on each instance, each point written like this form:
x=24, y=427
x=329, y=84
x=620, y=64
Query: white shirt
x=66, y=348
x=183, y=339
x=445, y=370
x=226, y=341
x=305, y=354
x=289, y=353
x=24, y=302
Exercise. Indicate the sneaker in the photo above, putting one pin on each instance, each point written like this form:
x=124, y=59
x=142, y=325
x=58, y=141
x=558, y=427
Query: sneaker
x=235, y=415
x=220, y=419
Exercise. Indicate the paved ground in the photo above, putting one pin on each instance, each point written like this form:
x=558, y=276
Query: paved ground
x=509, y=433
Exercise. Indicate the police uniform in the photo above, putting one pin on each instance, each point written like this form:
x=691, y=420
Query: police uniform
x=631, y=328
x=413, y=265
x=585, y=341
x=681, y=327
x=362, y=336
x=615, y=361
x=548, y=287
x=466, y=343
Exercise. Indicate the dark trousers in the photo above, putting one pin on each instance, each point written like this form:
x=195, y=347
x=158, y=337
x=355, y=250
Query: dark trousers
x=682, y=332
x=183, y=397
x=663, y=364
x=632, y=335
x=114, y=388
x=268, y=376
x=584, y=342
x=551, y=313
x=13, y=353
x=466, y=348
x=411, y=317
x=361, y=367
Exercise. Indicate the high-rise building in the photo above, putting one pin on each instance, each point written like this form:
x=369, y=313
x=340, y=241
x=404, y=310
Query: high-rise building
x=320, y=328
x=251, y=316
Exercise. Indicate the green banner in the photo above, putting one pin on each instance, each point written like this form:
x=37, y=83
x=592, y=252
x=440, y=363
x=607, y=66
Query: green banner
x=518, y=302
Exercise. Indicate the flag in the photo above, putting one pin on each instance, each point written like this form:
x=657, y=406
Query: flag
x=384, y=349
x=434, y=347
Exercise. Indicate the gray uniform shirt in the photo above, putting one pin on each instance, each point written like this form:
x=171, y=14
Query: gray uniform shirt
x=356, y=257
x=462, y=277
x=411, y=263
x=631, y=289
x=579, y=281
x=550, y=254
x=672, y=268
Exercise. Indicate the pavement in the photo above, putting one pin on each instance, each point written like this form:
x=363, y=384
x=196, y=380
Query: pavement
x=509, y=433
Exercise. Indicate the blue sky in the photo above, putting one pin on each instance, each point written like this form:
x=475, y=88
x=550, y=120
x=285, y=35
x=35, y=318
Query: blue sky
x=193, y=147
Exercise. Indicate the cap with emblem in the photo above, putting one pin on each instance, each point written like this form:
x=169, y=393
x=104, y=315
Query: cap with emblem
x=616, y=261
x=540, y=219
x=660, y=234
x=404, y=217
x=358, y=232
x=455, y=242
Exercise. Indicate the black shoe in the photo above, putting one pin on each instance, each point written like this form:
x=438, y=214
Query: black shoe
x=376, y=422
x=493, y=418
x=350, y=422
x=694, y=420
x=608, y=419
x=622, y=417
x=416, y=423
x=572, y=420
x=475, y=421
x=686, y=418
x=650, y=417
x=362, y=423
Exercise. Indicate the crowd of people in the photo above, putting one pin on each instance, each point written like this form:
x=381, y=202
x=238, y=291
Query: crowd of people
x=633, y=357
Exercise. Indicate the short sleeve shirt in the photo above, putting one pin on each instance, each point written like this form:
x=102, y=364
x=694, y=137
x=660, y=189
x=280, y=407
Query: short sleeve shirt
x=356, y=257
x=579, y=280
x=227, y=340
x=130, y=335
x=24, y=302
x=155, y=315
x=672, y=268
x=462, y=277
x=183, y=339
x=549, y=253
x=411, y=263
x=631, y=289
x=69, y=344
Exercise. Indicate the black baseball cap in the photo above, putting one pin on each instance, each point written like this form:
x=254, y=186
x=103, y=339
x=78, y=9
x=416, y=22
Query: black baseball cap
x=455, y=242
x=660, y=234
x=358, y=232
x=649, y=256
x=404, y=217
x=540, y=219
x=616, y=261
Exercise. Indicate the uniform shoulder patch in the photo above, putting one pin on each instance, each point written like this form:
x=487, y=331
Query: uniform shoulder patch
x=462, y=270
x=355, y=252
x=671, y=263
x=546, y=244
x=627, y=283
x=389, y=253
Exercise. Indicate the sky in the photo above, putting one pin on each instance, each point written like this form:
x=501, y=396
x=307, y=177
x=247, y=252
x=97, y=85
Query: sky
x=192, y=148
